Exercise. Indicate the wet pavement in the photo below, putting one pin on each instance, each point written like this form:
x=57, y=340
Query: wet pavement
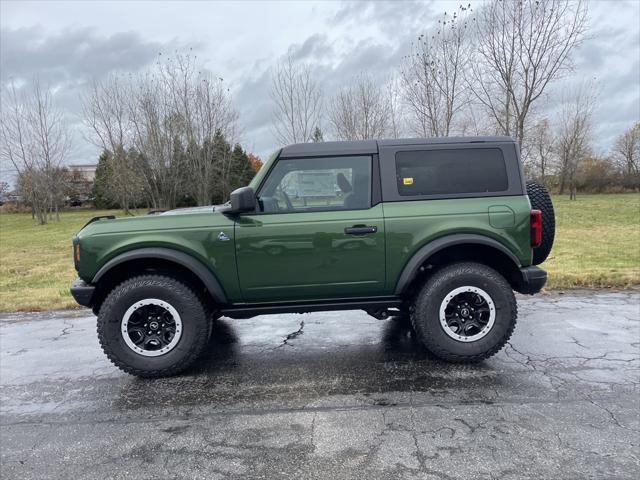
x=331, y=395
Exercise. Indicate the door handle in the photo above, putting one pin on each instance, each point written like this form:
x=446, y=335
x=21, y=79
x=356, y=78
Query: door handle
x=360, y=230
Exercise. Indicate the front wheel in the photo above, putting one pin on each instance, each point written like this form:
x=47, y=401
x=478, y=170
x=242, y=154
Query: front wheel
x=464, y=313
x=153, y=326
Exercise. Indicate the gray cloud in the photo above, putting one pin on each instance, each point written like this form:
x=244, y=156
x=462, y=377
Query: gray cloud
x=314, y=48
x=253, y=100
x=66, y=61
x=618, y=105
x=332, y=69
x=393, y=18
x=71, y=55
x=610, y=58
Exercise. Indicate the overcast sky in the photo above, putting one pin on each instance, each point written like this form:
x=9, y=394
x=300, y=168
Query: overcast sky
x=69, y=43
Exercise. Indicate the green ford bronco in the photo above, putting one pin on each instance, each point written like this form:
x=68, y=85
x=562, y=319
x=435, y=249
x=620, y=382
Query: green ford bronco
x=440, y=230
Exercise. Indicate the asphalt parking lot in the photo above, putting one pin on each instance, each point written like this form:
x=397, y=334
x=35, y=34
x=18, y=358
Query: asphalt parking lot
x=331, y=395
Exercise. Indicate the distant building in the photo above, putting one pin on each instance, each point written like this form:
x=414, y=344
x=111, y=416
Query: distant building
x=10, y=197
x=87, y=171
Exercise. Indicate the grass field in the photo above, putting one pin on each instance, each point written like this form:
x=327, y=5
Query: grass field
x=597, y=242
x=36, y=266
x=597, y=245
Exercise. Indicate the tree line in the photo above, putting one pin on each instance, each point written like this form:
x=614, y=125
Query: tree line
x=169, y=134
x=112, y=189
x=484, y=72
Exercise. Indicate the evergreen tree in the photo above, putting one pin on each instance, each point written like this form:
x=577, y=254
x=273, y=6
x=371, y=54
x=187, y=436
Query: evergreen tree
x=241, y=169
x=317, y=135
x=221, y=178
x=100, y=189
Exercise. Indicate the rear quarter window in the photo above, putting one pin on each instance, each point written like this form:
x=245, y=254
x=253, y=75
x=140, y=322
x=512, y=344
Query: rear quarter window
x=451, y=172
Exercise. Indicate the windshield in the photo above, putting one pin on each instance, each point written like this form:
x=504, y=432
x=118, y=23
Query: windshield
x=257, y=179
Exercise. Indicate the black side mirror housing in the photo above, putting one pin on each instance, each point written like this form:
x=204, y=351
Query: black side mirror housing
x=242, y=200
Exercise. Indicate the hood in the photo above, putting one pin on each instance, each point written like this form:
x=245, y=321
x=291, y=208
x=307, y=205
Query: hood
x=173, y=219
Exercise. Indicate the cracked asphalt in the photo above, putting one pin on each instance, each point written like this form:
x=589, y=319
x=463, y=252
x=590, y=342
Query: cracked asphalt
x=331, y=395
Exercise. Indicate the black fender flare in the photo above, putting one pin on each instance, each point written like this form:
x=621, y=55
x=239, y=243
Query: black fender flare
x=187, y=261
x=412, y=267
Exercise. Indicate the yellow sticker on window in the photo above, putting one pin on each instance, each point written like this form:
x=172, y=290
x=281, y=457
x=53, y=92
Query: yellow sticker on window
x=407, y=180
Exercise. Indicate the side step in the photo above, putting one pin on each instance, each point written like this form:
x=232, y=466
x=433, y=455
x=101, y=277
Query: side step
x=252, y=310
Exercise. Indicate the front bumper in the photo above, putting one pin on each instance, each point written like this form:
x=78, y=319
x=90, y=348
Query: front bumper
x=82, y=292
x=531, y=280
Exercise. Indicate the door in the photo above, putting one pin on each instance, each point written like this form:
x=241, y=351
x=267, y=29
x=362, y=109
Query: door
x=317, y=236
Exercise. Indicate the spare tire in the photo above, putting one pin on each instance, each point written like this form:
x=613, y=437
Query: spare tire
x=541, y=200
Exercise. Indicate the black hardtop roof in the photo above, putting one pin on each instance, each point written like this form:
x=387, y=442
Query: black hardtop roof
x=367, y=147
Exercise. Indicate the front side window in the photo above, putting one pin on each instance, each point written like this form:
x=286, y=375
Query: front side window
x=317, y=184
x=451, y=171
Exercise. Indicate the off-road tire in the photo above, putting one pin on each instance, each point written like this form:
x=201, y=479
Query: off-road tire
x=196, y=325
x=425, y=312
x=541, y=200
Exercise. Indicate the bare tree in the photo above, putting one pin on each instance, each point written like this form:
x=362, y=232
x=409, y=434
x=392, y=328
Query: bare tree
x=361, y=111
x=542, y=147
x=158, y=139
x=574, y=132
x=36, y=141
x=204, y=106
x=523, y=46
x=106, y=113
x=213, y=116
x=297, y=102
x=164, y=129
x=627, y=151
x=396, y=111
x=4, y=190
x=433, y=75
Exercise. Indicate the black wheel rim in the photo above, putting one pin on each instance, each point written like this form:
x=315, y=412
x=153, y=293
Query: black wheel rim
x=151, y=327
x=467, y=314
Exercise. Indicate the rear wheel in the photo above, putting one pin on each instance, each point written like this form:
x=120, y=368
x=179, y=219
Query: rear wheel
x=464, y=313
x=153, y=326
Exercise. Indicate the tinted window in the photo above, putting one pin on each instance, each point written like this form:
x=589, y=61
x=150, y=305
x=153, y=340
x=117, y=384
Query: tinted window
x=454, y=171
x=317, y=184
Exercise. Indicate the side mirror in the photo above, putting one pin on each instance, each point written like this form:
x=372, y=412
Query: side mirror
x=242, y=200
